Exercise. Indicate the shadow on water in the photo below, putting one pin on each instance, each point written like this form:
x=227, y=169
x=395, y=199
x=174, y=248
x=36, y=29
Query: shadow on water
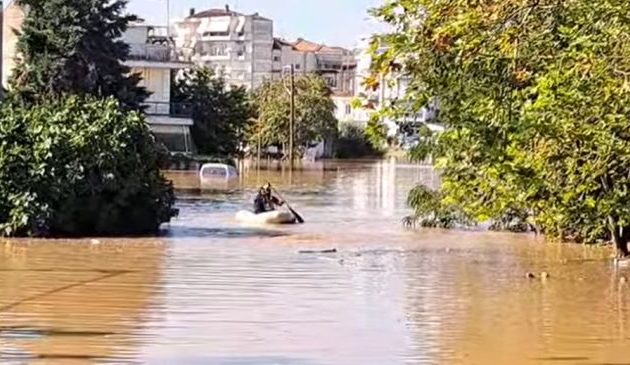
x=19, y=357
x=198, y=232
x=58, y=290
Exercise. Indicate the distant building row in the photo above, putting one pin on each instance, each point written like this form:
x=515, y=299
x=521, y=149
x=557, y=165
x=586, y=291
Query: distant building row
x=243, y=49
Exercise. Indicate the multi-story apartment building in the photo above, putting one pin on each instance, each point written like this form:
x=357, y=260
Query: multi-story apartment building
x=335, y=64
x=392, y=88
x=284, y=54
x=236, y=46
x=12, y=19
x=154, y=57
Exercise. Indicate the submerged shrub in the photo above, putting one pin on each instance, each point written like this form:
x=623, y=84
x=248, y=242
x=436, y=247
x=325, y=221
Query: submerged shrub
x=77, y=167
x=431, y=211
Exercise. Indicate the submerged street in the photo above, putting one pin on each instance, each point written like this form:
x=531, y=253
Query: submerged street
x=212, y=291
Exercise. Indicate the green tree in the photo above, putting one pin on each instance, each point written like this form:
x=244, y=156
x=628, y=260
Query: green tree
x=74, y=47
x=535, y=98
x=354, y=143
x=220, y=116
x=314, y=112
x=79, y=167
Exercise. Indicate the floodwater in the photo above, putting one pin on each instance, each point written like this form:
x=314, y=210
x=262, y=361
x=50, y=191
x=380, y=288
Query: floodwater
x=214, y=292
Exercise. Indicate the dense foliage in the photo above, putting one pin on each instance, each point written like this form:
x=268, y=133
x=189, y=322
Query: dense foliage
x=354, y=143
x=535, y=98
x=314, y=113
x=430, y=210
x=74, y=47
x=77, y=167
x=376, y=132
x=220, y=115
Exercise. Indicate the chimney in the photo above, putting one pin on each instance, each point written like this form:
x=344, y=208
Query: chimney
x=227, y=8
x=192, y=12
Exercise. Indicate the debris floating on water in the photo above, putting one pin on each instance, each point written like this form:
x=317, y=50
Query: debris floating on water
x=334, y=250
x=95, y=242
x=544, y=275
x=530, y=275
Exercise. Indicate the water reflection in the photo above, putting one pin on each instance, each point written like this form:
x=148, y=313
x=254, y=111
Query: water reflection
x=76, y=302
x=213, y=291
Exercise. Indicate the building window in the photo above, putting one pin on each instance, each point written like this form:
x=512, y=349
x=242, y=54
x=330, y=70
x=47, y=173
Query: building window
x=216, y=34
x=174, y=142
x=240, y=49
x=331, y=82
x=276, y=58
x=297, y=66
x=218, y=50
x=348, y=109
x=207, y=49
x=219, y=70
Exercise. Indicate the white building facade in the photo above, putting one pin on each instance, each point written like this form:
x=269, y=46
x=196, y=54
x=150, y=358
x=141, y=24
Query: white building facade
x=236, y=46
x=392, y=88
x=154, y=57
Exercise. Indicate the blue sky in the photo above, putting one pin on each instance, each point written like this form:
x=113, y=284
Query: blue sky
x=333, y=22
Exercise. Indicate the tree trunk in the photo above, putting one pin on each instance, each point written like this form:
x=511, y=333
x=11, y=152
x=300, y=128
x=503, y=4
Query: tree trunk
x=620, y=238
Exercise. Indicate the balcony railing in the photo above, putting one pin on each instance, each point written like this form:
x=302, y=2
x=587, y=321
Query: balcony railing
x=152, y=52
x=174, y=110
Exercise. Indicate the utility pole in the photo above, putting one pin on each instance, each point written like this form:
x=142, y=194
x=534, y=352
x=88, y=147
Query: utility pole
x=292, y=120
x=168, y=19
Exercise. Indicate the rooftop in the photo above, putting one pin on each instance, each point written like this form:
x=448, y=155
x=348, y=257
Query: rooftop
x=307, y=46
x=279, y=42
x=304, y=45
x=218, y=12
x=213, y=12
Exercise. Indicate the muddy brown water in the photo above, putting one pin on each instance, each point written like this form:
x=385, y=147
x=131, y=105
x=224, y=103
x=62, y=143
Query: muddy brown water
x=212, y=291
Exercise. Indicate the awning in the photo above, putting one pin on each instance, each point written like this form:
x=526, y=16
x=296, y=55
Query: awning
x=169, y=129
x=240, y=27
x=219, y=24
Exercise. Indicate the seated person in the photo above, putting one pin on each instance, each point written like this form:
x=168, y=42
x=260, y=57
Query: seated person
x=265, y=201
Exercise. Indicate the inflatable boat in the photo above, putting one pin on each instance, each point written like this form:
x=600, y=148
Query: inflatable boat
x=273, y=217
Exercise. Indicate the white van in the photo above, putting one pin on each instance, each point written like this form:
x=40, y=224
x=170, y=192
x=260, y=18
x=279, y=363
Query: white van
x=217, y=172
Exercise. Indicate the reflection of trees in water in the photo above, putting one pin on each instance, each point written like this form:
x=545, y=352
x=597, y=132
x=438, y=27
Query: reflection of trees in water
x=473, y=305
x=385, y=185
x=368, y=187
x=74, y=302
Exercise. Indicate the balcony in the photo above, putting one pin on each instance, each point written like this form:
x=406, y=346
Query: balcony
x=166, y=109
x=152, y=52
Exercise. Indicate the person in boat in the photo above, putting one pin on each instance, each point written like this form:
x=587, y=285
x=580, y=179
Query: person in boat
x=265, y=201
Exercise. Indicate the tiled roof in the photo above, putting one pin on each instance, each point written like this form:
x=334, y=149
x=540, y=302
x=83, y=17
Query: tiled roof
x=306, y=46
x=279, y=42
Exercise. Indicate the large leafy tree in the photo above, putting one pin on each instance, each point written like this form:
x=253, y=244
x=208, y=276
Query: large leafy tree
x=79, y=167
x=74, y=46
x=314, y=112
x=535, y=98
x=220, y=115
